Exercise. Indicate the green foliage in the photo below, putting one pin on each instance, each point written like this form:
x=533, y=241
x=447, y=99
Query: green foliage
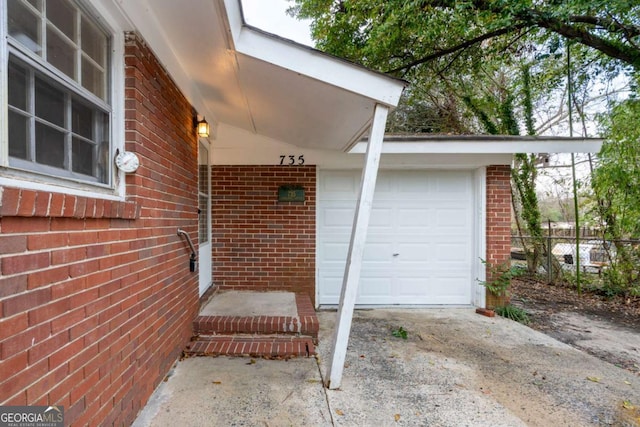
x=523, y=175
x=400, y=35
x=514, y=313
x=616, y=184
x=569, y=278
x=431, y=112
x=477, y=50
x=501, y=276
x=400, y=333
x=617, y=179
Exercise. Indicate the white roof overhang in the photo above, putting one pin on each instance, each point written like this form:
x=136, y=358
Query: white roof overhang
x=483, y=144
x=249, y=79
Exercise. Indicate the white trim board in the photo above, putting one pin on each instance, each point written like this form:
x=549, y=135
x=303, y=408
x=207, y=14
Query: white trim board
x=483, y=144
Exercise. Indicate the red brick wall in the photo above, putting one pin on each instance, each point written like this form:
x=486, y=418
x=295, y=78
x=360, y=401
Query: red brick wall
x=259, y=243
x=96, y=297
x=498, y=222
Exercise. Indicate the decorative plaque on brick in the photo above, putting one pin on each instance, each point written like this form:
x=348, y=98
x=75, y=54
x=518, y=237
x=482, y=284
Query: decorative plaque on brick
x=291, y=193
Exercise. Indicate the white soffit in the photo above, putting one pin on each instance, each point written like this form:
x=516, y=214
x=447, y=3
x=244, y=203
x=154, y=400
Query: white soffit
x=483, y=144
x=253, y=80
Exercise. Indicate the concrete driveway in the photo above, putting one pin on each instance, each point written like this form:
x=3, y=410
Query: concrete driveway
x=456, y=368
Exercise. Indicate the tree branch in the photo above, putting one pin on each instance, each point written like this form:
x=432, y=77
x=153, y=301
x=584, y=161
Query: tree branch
x=456, y=48
x=619, y=51
x=609, y=24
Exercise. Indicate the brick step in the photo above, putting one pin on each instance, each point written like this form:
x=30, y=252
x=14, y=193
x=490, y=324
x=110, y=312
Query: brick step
x=268, y=346
x=226, y=325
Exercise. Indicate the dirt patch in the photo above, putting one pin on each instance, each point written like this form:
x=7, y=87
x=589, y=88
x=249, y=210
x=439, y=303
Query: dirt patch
x=608, y=328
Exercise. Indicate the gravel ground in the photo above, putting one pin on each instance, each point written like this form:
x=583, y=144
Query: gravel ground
x=460, y=368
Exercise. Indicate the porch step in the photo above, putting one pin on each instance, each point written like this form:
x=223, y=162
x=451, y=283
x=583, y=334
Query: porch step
x=305, y=323
x=285, y=325
x=253, y=324
x=268, y=346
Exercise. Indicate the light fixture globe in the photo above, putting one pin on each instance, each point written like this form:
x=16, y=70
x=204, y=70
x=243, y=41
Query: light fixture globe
x=203, y=128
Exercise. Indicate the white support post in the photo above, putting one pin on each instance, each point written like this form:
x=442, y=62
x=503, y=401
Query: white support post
x=356, y=248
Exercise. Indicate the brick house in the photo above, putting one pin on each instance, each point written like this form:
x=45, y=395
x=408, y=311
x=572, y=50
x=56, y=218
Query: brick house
x=97, y=292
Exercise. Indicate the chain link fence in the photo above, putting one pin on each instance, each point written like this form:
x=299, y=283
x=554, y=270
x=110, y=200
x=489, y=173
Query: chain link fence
x=597, y=260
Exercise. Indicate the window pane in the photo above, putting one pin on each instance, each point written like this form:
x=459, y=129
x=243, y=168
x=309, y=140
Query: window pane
x=58, y=127
x=36, y=3
x=49, y=146
x=18, y=135
x=82, y=158
x=93, y=79
x=203, y=224
x=102, y=160
x=94, y=42
x=62, y=15
x=49, y=103
x=103, y=157
x=24, y=26
x=60, y=54
x=82, y=120
x=17, y=86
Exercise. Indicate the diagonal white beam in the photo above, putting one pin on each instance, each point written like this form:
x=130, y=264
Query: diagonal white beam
x=356, y=248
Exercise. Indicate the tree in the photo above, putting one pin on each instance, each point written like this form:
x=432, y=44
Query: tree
x=617, y=187
x=454, y=46
x=395, y=36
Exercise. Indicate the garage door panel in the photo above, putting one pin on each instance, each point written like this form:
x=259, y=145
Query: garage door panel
x=377, y=253
x=449, y=184
x=424, y=218
x=340, y=185
x=447, y=291
x=411, y=182
x=414, y=253
x=453, y=218
x=381, y=219
x=414, y=288
x=331, y=280
x=452, y=252
x=375, y=287
x=334, y=252
x=337, y=217
x=384, y=184
x=410, y=218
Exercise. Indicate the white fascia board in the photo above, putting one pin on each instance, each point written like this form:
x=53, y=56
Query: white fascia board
x=232, y=9
x=452, y=146
x=311, y=62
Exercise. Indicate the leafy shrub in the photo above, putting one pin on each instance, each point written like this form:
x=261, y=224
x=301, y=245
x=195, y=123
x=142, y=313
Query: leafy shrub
x=514, y=313
x=501, y=277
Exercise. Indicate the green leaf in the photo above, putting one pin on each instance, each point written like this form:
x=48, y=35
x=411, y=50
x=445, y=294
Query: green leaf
x=399, y=333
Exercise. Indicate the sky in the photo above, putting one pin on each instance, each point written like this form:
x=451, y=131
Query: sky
x=271, y=16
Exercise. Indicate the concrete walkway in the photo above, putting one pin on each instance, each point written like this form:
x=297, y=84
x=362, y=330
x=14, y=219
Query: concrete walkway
x=455, y=368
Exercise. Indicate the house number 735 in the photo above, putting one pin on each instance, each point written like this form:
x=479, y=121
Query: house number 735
x=292, y=160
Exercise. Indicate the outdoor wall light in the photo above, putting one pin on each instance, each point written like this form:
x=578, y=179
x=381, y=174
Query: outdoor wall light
x=203, y=128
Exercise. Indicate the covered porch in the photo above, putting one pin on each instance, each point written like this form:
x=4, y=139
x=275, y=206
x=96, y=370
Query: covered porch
x=245, y=81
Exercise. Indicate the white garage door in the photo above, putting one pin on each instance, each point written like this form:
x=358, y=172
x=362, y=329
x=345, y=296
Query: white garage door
x=419, y=243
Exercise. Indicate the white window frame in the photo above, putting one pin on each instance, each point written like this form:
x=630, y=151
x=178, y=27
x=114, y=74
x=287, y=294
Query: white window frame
x=111, y=21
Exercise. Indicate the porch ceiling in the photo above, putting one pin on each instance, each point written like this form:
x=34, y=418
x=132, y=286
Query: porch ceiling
x=246, y=78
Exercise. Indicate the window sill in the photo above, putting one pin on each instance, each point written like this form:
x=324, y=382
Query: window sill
x=39, y=203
